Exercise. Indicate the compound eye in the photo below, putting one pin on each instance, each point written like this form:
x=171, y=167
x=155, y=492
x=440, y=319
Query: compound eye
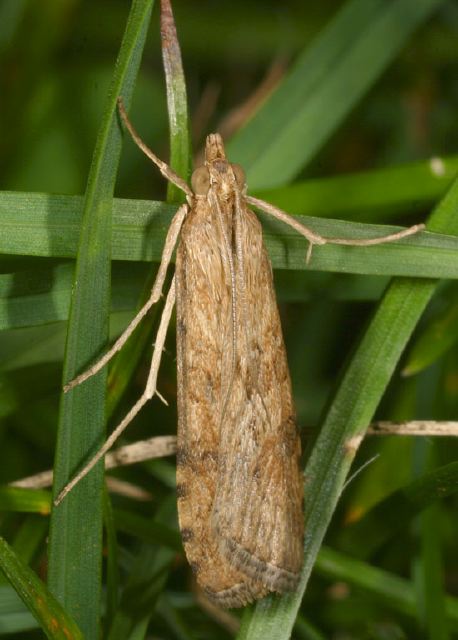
x=200, y=181
x=239, y=174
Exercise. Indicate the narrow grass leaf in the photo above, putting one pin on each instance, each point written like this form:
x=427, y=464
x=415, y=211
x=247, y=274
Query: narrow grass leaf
x=327, y=81
x=432, y=604
x=139, y=229
x=42, y=295
x=131, y=619
x=177, y=105
x=14, y=615
x=53, y=619
x=25, y=500
x=76, y=525
x=396, y=592
x=127, y=361
x=438, y=336
x=377, y=195
x=395, y=512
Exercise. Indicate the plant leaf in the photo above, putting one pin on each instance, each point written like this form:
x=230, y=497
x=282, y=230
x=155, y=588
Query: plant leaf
x=75, y=550
x=53, y=619
x=327, y=81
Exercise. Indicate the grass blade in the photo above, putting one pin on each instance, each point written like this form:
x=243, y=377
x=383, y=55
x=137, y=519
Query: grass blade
x=394, y=513
x=326, y=83
x=396, y=592
x=53, y=619
x=177, y=105
x=378, y=195
x=25, y=500
x=146, y=582
x=127, y=361
x=139, y=229
x=75, y=550
x=438, y=336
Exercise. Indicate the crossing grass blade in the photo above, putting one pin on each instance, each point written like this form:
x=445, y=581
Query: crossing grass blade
x=139, y=230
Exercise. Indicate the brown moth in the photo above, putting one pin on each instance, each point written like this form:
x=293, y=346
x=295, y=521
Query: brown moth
x=239, y=484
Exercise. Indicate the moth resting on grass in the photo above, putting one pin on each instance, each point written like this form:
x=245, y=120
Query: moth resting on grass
x=239, y=483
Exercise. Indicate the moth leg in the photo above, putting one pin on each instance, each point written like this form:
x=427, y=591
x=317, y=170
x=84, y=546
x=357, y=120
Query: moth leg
x=391, y=237
x=311, y=236
x=316, y=238
x=156, y=292
x=163, y=167
x=150, y=390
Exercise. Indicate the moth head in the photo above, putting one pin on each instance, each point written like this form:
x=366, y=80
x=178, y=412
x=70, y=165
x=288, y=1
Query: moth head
x=217, y=170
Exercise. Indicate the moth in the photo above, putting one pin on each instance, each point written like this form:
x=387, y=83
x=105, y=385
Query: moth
x=239, y=481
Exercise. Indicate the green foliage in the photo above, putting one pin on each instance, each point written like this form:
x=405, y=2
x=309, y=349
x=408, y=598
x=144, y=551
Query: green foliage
x=361, y=127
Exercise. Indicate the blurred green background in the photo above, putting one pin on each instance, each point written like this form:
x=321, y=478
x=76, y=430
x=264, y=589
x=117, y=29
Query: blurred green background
x=56, y=61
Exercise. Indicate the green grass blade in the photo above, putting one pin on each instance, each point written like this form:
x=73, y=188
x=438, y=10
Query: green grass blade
x=76, y=525
x=396, y=592
x=432, y=602
x=25, y=500
x=377, y=195
x=53, y=619
x=14, y=615
x=139, y=229
x=146, y=582
x=351, y=410
x=149, y=578
x=112, y=569
x=437, y=337
x=395, y=512
x=328, y=80
x=427, y=567
x=127, y=361
x=177, y=102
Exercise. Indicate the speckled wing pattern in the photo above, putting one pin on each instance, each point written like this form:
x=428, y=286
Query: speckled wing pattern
x=239, y=484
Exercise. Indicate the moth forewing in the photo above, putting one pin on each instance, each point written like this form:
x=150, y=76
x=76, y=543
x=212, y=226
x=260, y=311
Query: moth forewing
x=203, y=309
x=238, y=475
